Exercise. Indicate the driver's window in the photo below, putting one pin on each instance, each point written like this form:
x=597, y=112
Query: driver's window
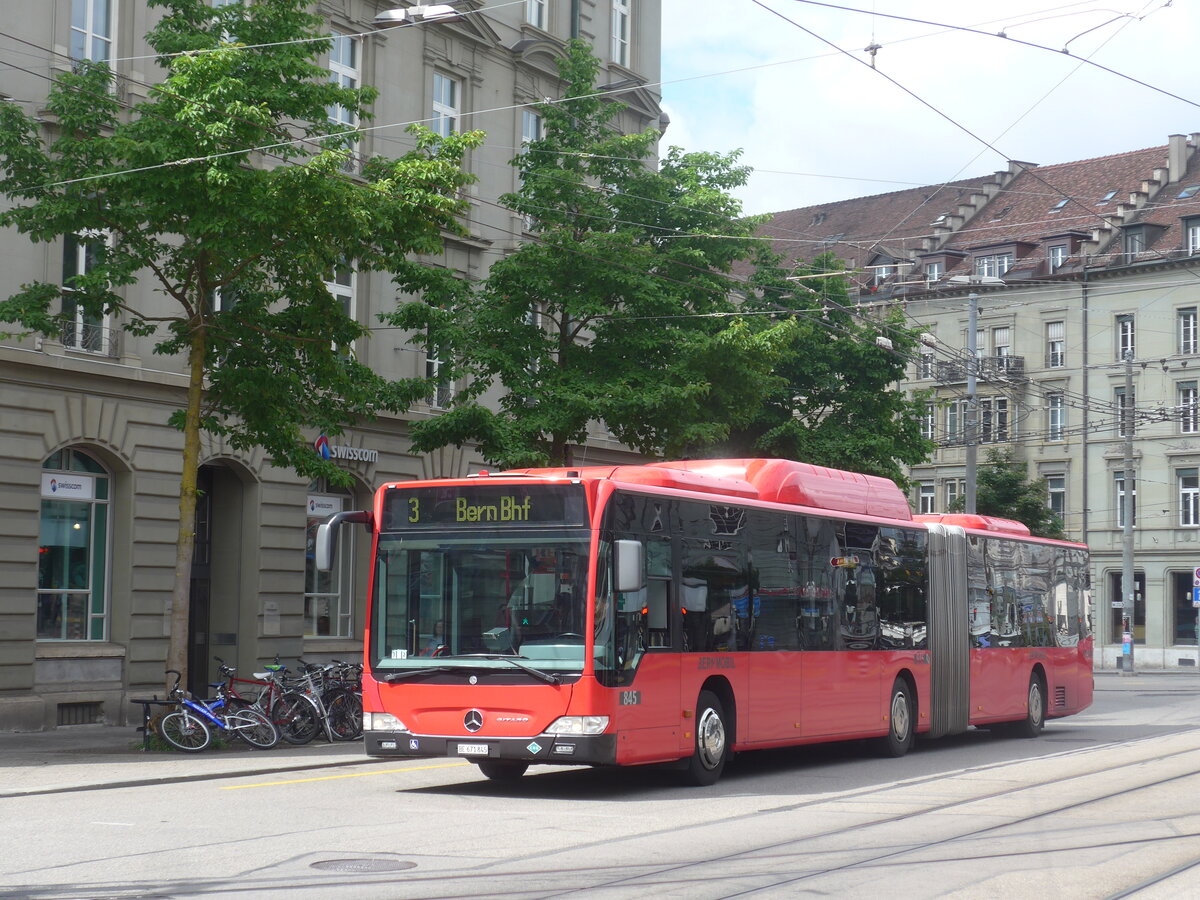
x=643, y=619
x=659, y=587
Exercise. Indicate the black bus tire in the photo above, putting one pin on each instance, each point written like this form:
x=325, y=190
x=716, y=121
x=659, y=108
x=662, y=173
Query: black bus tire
x=901, y=720
x=1035, y=710
x=502, y=770
x=707, y=761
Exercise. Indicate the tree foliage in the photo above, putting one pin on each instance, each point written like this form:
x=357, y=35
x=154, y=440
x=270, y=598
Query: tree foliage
x=228, y=191
x=625, y=308
x=617, y=309
x=1003, y=490
x=834, y=402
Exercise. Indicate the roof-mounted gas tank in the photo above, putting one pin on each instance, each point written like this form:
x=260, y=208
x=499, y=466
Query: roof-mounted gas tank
x=803, y=484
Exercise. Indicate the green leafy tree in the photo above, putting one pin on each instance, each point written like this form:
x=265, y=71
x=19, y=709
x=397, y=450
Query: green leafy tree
x=835, y=401
x=1003, y=490
x=617, y=310
x=227, y=191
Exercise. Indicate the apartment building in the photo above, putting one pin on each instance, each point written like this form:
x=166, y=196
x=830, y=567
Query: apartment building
x=1075, y=268
x=91, y=494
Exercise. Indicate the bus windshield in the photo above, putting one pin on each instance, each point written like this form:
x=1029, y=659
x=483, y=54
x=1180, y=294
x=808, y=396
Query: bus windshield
x=458, y=598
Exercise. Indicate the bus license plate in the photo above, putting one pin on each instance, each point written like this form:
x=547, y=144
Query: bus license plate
x=472, y=749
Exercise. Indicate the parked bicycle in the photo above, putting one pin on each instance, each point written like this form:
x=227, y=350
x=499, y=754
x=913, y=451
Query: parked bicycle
x=190, y=727
x=335, y=709
x=320, y=699
x=292, y=714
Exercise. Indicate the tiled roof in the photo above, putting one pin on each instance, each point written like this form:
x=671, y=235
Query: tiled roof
x=1169, y=210
x=1051, y=200
x=860, y=229
x=1084, y=205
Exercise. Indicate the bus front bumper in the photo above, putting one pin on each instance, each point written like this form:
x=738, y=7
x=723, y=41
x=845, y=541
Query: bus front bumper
x=546, y=749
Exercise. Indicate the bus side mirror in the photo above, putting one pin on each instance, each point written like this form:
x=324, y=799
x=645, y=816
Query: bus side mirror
x=325, y=543
x=630, y=566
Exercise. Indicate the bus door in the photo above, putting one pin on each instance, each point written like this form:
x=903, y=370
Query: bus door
x=641, y=647
x=783, y=615
x=998, y=663
x=841, y=686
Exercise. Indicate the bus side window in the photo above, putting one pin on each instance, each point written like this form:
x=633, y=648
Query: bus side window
x=658, y=612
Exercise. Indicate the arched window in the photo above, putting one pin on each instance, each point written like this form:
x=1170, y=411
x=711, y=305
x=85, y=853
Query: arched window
x=72, y=597
x=328, y=596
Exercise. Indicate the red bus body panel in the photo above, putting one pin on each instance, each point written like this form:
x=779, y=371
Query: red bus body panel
x=780, y=698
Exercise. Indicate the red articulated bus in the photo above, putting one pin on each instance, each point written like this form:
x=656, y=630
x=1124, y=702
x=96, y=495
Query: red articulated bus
x=683, y=611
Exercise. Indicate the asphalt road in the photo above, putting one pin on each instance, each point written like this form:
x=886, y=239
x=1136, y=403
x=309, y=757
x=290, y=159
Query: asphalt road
x=1102, y=805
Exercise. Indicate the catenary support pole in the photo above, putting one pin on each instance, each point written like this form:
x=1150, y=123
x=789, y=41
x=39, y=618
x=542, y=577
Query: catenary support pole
x=1129, y=482
x=971, y=425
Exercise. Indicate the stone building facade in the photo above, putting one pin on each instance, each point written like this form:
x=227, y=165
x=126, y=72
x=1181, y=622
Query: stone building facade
x=1073, y=267
x=90, y=499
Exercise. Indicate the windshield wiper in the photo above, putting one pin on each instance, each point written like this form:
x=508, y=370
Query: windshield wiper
x=548, y=677
x=401, y=675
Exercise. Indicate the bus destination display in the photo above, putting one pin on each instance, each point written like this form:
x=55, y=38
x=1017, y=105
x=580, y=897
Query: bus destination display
x=467, y=506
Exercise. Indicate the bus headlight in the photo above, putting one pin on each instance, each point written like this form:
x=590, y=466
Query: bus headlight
x=578, y=725
x=382, y=722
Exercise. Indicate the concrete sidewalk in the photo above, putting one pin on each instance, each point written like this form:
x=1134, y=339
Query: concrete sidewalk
x=84, y=757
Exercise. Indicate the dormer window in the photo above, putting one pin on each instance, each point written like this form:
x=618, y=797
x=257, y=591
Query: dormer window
x=1107, y=197
x=881, y=273
x=1056, y=255
x=1191, y=235
x=993, y=265
x=1134, y=241
x=818, y=218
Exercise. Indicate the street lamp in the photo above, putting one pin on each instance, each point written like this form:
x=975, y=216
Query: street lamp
x=437, y=12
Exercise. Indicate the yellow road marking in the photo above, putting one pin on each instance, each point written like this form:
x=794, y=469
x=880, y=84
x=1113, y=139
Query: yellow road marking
x=238, y=787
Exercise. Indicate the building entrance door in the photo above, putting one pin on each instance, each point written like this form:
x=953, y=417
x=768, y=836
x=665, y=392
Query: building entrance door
x=199, y=607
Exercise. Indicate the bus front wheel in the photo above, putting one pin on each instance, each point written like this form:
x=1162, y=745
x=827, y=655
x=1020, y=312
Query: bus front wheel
x=502, y=769
x=901, y=721
x=712, y=741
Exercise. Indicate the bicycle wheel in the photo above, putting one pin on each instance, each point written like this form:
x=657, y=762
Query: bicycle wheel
x=252, y=727
x=184, y=732
x=345, y=715
x=295, y=718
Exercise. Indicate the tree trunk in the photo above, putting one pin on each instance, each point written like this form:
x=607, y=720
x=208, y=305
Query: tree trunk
x=177, y=646
x=560, y=453
x=560, y=449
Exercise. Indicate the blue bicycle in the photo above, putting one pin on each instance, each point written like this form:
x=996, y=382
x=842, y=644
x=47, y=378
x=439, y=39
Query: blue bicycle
x=189, y=728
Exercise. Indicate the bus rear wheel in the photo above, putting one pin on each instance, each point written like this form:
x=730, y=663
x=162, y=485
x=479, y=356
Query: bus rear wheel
x=1035, y=710
x=901, y=722
x=502, y=769
x=712, y=741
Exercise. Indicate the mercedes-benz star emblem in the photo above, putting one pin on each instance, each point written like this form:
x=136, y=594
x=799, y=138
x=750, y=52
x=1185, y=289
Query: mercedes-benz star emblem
x=473, y=720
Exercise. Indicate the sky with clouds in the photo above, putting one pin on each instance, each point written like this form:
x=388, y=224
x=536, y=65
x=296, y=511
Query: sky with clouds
x=952, y=97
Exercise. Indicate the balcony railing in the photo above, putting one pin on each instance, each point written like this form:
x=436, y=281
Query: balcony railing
x=89, y=338
x=991, y=368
